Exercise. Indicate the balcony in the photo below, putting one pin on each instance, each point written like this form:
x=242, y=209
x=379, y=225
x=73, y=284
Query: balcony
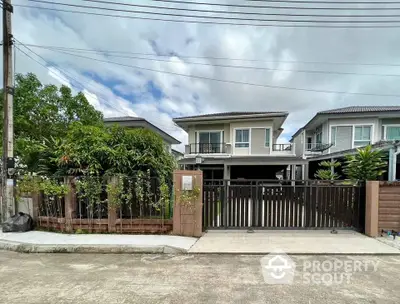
x=206, y=148
x=311, y=148
x=282, y=149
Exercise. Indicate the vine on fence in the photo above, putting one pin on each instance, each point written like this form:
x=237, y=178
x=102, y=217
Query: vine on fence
x=90, y=188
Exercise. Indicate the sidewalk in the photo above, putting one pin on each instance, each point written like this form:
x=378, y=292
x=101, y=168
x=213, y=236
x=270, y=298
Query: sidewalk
x=294, y=242
x=50, y=242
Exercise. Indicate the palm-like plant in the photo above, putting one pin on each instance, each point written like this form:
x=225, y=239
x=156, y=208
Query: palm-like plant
x=327, y=173
x=366, y=164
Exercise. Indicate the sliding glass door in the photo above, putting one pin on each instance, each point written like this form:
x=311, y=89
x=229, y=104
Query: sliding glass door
x=210, y=142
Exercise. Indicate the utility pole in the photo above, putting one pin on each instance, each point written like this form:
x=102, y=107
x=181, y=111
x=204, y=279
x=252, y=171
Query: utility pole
x=7, y=203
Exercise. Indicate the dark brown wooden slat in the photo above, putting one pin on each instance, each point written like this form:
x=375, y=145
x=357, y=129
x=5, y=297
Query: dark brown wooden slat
x=300, y=195
x=296, y=207
x=287, y=203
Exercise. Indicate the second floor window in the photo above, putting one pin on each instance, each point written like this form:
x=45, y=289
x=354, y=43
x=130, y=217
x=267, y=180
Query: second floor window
x=333, y=135
x=267, y=137
x=362, y=136
x=242, y=138
x=392, y=133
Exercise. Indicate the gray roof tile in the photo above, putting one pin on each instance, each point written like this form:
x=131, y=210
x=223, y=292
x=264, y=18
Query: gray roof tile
x=361, y=109
x=224, y=114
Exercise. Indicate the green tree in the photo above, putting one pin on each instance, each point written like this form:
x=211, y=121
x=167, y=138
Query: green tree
x=326, y=173
x=366, y=164
x=99, y=150
x=42, y=112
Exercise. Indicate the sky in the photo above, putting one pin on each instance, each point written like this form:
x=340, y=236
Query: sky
x=118, y=90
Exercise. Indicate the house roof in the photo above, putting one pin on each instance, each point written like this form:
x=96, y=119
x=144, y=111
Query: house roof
x=350, y=110
x=131, y=121
x=123, y=118
x=361, y=109
x=177, y=152
x=225, y=114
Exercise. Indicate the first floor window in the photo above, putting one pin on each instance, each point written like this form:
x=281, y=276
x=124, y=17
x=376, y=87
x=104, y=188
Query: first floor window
x=362, y=136
x=267, y=137
x=393, y=133
x=242, y=138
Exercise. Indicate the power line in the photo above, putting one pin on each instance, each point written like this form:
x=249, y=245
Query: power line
x=240, y=12
x=64, y=73
x=212, y=17
x=238, y=66
x=326, y=2
x=211, y=57
x=68, y=76
x=231, y=81
x=280, y=7
x=211, y=22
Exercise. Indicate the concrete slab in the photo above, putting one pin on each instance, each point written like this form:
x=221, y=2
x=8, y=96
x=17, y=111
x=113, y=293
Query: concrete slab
x=183, y=279
x=290, y=242
x=40, y=241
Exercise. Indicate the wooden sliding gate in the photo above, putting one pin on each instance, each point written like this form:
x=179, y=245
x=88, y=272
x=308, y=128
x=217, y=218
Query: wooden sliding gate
x=259, y=204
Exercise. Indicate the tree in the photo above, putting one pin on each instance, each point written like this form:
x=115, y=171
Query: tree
x=327, y=173
x=99, y=150
x=366, y=164
x=44, y=112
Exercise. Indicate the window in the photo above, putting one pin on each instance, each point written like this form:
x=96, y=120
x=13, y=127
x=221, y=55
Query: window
x=318, y=138
x=267, y=137
x=362, y=136
x=333, y=135
x=242, y=138
x=210, y=142
x=309, y=142
x=392, y=133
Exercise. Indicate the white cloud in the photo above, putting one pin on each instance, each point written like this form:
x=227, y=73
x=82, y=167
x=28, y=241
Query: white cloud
x=107, y=85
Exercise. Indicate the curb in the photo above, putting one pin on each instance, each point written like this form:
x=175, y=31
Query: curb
x=300, y=253
x=35, y=248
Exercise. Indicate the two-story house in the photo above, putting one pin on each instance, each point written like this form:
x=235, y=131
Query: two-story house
x=139, y=122
x=238, y=145
x=332, y=134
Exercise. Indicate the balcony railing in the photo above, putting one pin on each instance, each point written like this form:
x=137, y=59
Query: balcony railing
x=282, y=147
x=207, y=148
x=317, y=147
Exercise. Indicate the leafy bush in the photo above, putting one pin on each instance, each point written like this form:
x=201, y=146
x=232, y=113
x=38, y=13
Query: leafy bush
x=366, y=164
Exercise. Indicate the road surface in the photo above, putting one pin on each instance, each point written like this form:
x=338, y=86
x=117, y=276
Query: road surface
x=108, y=278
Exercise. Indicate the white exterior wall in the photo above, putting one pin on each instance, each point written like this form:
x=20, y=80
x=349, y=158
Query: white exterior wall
x=372, y=121
x=249, y=125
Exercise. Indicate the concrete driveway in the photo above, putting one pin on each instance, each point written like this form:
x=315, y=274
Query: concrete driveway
x=147, y=279
x=290, y=242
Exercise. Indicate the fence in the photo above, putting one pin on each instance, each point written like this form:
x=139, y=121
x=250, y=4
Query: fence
x=288, y=204
x=136, y=204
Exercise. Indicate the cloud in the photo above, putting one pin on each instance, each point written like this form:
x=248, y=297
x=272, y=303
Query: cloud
x=123, y=90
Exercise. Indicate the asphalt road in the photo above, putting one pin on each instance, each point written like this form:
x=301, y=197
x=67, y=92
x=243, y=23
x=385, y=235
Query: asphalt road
x=91, y=278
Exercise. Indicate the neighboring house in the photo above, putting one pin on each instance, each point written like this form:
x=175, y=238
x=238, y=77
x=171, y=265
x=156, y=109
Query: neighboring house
x=177, y=154
x=238, y=145
x=332, y=134
x=138, y=122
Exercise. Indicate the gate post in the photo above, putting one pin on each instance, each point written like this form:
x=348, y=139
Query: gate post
x=70, y=203
x=187, y=219
x=371, y=208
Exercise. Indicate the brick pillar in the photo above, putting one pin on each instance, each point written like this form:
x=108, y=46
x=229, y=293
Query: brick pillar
x=112, y=212
x=372, y=208
x=187, y=221
x=70, y=203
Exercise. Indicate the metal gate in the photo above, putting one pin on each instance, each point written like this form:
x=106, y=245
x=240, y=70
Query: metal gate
x=263, y=204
